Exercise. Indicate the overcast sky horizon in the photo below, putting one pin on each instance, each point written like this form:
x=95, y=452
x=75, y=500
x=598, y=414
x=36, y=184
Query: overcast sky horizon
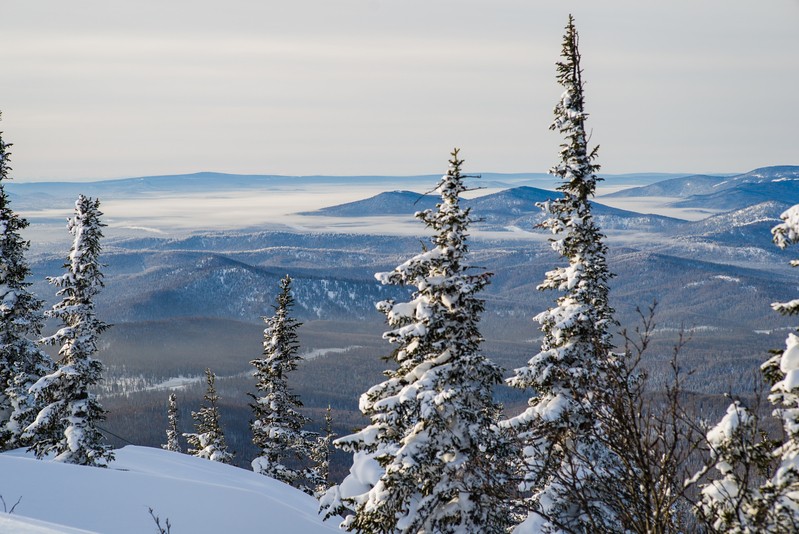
x=107, y=89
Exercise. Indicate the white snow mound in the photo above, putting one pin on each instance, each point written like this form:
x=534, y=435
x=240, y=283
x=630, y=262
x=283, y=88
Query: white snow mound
x=24, y=525
x=196, y=495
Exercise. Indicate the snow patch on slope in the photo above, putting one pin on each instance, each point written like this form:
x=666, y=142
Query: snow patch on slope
x=197, y=496
x=24, y=525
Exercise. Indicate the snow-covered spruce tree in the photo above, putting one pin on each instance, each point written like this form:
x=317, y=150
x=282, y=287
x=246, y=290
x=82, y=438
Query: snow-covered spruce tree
x=567, y=374
x=432, y=458
x=277, y=424
x=731, y=503
x=67, y=423
x=21, y=361
x=208, y=440
x=172, y=442
x=320, y=456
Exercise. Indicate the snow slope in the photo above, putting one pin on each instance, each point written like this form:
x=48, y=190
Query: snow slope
x=197, y=496
x=24, y=525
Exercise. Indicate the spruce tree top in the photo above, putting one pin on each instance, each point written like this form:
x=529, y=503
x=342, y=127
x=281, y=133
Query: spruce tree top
x=84, y=275
x=577, y=338
x=577, y=236
x=444, y=312
x=576, y=167
x=280, y=335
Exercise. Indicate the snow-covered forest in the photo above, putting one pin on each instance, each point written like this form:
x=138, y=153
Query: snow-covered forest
x=593, y=430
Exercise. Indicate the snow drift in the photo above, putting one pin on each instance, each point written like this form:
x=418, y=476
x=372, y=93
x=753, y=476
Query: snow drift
x=196, y=495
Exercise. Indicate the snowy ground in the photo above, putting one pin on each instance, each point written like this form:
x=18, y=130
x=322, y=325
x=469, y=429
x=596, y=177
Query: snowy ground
x=197, y=496
x=24, y=525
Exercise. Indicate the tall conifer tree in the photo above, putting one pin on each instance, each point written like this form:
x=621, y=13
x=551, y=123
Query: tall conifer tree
x=172, y=433
x=67, y=425
x=277, y=425
x=320, y=455
x=208, y=440
x=21, y=361
x=567, y=374
x=432, y=457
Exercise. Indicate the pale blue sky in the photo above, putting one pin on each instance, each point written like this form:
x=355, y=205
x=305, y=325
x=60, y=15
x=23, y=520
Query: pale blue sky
x=106, y=88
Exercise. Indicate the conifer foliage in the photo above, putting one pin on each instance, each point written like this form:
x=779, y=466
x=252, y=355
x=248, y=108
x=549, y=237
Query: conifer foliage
x=67, y=424
x=780, y=495
x=432, y=457
x=21, y=361
x=566, y=375
x=320, y=456
x=172, y=442
x=208, y=440
x=732, y=503
x=277, y=424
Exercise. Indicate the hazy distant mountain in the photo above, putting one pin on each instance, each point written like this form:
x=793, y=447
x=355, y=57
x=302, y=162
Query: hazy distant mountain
x=725, y=193
x=511, y=202
x=685, y=186
x=201, y=182
x=516, y=207
x=761, y=185
x=742, y=235
x=776, y=173
x=765, y=214
x=210, y=182
x=58, y=194
x=388, y=203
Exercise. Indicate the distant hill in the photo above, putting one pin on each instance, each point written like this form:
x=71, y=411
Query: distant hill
x=36, y=195
x=765, y=213
x=42, y=195
x=388, y=203
x=740, y=229
x=516, y=207
x=511, y=202
x=761, y=185
x=725, y=193
x=775, y=173
x=209, y=182
x=685, y=186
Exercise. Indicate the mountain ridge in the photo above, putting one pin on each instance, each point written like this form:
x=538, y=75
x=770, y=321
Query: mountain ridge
x=778, y=182
x=513, y=207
